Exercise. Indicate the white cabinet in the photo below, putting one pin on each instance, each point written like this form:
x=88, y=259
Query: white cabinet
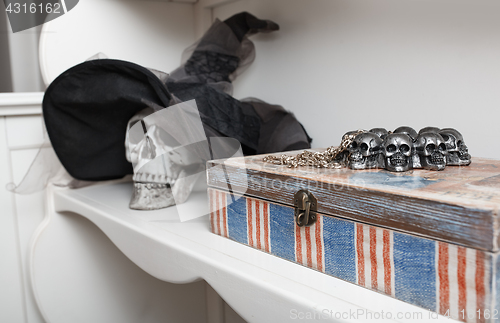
x=20, y=135
x=11, y=295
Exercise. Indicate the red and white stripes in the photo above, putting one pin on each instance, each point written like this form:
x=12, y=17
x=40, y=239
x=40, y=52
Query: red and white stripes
x=259, y=235
x=218, y=210
x=374, y=258
x=462, y=282
x=309, y=245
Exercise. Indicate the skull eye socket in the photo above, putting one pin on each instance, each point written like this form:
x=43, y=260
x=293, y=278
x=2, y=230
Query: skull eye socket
x=459, y=143
x=364, y=147
x=354, y=145
x=391, y=148
x=445, y=137
x=405, y=148
x=430, y=148
x=442, y=147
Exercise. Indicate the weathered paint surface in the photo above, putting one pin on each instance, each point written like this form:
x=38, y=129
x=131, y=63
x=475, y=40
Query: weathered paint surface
x=438, y=276
x=458, y=205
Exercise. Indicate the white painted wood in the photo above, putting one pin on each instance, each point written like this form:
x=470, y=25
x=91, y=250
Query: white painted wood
x=342, y=65
x=29, y=212
x=12, y=303
x=80, y=276
x=21, y=128
x=150, y=33
x=15, y=104
x=259, y=287
x=24, y=131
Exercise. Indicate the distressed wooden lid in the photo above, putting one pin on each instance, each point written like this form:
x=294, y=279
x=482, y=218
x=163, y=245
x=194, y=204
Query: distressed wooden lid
x=458, y=205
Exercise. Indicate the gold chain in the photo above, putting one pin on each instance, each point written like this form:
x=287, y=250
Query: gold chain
x=327, y=159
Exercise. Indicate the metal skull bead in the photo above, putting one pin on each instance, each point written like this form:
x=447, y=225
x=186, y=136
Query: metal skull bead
x=412, y=133
x=431, y=149
x=157, y=167
x=365, y=152
x=343, y=157
x=458, y=153
x=381, y=132
x=429, y=129
x=397, y=152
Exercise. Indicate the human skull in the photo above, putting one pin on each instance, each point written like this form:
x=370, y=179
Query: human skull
x=397, y=152
x=458, y=153
x=409, y=131
x=432, y=151
x=160, y=169
x=365, y=151
x=381, y=132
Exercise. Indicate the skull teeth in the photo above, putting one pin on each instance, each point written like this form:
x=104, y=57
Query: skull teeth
x=152, y=178
x=151, y=186
x=437, y=159
x=398, y=160
x=356, y=157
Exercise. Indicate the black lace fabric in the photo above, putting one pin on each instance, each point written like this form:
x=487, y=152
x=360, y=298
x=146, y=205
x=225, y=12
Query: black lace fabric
x=209, y=68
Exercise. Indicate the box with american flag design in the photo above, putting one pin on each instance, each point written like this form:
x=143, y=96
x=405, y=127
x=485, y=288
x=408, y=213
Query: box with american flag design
x=426, y=238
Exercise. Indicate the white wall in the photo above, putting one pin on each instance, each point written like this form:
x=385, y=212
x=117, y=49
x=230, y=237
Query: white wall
x=150, y=33
x=341, y=65
x=5, y=76
x=25, y=70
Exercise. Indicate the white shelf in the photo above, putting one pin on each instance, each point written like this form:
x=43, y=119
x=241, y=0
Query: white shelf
x=15, y=104
x=260, y=287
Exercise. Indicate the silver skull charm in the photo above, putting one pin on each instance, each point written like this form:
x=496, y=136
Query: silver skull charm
x=397, y=152
x=432, y=151
x=381, y=132
x=342, y=158
x=365, y=152
x=412, y=133
x=458, y=153
x=429, y=129
x=159, y=167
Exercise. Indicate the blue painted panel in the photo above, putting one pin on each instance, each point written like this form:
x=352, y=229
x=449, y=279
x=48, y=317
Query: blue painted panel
x=237, y=219
x=282, y=222
x=415, y=270
x=340, y=254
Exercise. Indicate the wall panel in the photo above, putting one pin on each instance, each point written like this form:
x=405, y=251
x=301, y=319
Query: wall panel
x=342, y=65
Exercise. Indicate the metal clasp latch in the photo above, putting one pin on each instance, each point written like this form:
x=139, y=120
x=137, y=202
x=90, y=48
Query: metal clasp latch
x=306, y=206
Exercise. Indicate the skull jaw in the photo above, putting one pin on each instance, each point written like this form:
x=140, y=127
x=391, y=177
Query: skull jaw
x=399, y=164
x=357, y=161
x=433, y=162
x=458, y=158
x=150, y=196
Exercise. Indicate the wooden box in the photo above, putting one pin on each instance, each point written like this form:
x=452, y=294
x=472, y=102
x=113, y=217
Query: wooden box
x=428, y=238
